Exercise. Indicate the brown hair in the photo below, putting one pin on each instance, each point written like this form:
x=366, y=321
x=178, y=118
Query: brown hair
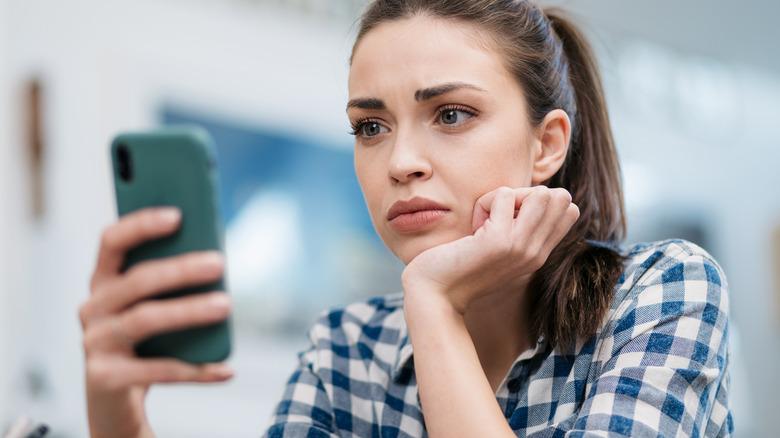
x=555, y=67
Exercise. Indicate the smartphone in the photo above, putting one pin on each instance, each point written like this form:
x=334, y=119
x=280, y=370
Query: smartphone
x=175, y=167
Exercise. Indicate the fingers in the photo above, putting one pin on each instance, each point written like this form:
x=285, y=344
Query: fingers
x=115, y=373
x=131, y=230
x=545, y=218
x=543, y=210
x=497, y=205
x=119, y=332
x=485, y=207
x=151, y=278
x=158, y=316
x=533, y=220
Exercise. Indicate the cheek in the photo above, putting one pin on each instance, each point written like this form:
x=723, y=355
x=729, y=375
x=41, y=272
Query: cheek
x=508, y=152
x=488, y=161
x=370, y=180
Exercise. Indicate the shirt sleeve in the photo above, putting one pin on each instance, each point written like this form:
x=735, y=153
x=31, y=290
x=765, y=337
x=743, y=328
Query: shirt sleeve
x=305, y=409
x=665, y=357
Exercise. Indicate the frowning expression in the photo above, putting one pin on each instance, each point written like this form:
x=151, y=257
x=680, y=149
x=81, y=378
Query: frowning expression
x=439, y=121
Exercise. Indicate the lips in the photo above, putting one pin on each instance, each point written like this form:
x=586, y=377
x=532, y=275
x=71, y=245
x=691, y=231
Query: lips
x=415, y=214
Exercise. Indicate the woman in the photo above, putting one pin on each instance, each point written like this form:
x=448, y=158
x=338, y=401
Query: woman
x=484, y=153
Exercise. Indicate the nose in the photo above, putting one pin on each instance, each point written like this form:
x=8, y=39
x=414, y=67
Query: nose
x=408, y=161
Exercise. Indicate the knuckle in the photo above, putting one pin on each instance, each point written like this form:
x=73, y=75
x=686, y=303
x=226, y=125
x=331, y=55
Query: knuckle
x=504, y=192
x=96, y=369
x=574, y=211
x=141, y=278
x=143, y=314
x=562, y=194
x=91, y=340
x=155, y=276
x=85, y=312
x=100, y=283
x=529, y=253
x=543, y=193
x=110, y=238
x=94, y=283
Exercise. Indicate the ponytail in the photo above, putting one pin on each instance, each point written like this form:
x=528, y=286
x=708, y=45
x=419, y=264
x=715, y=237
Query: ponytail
x=577, y=282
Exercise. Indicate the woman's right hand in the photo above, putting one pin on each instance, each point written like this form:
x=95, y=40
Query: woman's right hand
x=118, y=315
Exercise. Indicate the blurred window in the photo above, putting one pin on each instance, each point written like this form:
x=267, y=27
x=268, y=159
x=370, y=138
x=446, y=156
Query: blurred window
x=297, y=233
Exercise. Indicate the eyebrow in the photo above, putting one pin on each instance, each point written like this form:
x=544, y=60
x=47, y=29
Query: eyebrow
x=368, y=103
x=421, y=95
x=429, y=93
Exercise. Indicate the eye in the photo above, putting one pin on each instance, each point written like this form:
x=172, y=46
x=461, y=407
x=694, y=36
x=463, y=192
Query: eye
x=372, y=129
x=454, y=116
x=367, y=128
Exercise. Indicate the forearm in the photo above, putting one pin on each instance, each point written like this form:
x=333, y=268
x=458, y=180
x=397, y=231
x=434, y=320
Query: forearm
x=455, y=394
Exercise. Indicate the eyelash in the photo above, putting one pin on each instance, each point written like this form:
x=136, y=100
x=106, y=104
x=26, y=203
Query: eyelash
x=455, y=107
x=357, y=125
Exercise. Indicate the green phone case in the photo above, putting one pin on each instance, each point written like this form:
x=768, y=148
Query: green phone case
x=175, y=167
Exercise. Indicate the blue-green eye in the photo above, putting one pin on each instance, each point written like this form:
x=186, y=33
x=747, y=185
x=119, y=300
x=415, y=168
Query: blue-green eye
x=372, y=129
x=453, y=116
x=367, y=128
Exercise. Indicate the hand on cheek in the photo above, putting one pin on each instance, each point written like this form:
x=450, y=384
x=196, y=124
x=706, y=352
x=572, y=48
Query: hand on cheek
x=515, y=230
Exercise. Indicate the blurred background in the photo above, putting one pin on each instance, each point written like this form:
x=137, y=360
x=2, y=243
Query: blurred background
x=694, y=95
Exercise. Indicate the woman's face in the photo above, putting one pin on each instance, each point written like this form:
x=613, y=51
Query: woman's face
x=439, y=122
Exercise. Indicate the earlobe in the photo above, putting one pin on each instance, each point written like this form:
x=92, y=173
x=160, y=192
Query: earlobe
x=552, y=145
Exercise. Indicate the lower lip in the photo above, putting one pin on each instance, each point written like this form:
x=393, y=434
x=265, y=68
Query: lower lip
x=416, y=221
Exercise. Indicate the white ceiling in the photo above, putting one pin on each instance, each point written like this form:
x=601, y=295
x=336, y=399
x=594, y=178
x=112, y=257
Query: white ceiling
x=746, y=32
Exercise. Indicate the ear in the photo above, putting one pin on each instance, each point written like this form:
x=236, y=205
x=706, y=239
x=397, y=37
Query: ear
x=551, y=145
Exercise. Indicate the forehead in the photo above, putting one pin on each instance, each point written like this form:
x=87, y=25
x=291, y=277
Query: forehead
x=421, y=51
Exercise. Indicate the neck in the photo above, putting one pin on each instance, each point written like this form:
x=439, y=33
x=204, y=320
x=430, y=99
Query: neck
x=499, y=327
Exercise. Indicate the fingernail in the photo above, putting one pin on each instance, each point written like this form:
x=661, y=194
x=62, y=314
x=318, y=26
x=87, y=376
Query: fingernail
x=169, y=215
x=222, y=371
x=212, y=259
x=220, y=300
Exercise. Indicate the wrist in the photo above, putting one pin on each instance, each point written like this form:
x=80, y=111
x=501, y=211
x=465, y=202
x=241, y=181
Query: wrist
x=428, y=296
x=427, y=311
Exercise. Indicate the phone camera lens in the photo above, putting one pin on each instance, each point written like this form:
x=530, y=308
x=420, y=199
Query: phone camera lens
x=124, y=163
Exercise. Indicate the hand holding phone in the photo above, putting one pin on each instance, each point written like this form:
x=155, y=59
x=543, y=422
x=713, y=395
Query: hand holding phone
x=174, y=167
x=135, y=265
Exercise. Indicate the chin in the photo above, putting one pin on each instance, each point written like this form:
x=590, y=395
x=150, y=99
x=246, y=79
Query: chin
x=409, y=247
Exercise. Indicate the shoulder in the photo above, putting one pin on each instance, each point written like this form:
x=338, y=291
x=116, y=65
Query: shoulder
x=666, y=338
x=672, y=287
x=669, y=262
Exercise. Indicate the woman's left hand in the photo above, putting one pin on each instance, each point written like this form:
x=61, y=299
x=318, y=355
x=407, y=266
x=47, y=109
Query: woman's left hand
x=515, y=230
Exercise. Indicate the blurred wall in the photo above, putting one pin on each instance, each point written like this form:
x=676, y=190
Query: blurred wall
x=107, y=68
x=706, y=155
x=5, y=160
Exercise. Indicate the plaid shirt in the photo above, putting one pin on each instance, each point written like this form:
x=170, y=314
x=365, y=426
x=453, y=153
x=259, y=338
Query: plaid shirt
x=657, y=366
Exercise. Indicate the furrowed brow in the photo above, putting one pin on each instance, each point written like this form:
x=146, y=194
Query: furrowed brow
x=367, y=103
x=429, y=93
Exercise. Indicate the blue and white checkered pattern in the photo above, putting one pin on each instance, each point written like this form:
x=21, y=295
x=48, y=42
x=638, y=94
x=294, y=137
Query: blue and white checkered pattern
x=657, y=367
